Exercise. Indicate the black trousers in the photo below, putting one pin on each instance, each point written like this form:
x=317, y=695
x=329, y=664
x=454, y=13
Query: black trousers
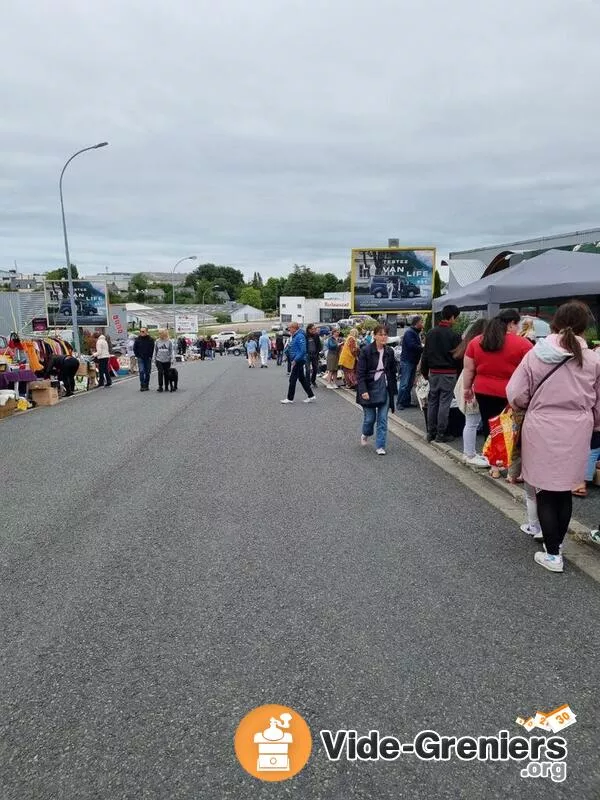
x=163, y=368
x=104, y=372
x=298, y=373
x=314, y=367
x=554, y=511
x=68, y=372
x=489, y=406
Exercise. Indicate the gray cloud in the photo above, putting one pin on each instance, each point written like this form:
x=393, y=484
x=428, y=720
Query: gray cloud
x=266, y=133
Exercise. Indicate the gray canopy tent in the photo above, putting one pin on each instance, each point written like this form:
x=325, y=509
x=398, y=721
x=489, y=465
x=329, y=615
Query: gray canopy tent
x=553, y=274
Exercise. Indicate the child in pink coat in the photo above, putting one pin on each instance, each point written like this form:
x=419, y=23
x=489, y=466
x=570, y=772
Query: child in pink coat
x=561, y=415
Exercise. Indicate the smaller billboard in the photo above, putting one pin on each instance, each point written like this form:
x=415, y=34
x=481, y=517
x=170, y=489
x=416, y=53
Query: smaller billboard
x=388, y=280
x=186, y=323
x=39, y=324
x=90, y=299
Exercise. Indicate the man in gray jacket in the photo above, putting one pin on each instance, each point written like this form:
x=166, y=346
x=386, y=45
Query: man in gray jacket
x=163, y=356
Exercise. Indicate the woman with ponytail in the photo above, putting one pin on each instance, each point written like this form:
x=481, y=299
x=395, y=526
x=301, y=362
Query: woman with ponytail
x=490, y=360
x=558, y=383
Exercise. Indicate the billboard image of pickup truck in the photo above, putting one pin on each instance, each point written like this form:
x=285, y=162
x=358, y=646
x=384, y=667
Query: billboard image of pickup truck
x=90, y=302
x=388, y=280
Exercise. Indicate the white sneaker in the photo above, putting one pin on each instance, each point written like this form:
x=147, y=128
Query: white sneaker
x=331, y=386
x=364, y=440
x=287, y=402
x=538, y=537
x=531, y=530
x=552, y=563
x=310, y=400
x=477, y=461
x=380, y=451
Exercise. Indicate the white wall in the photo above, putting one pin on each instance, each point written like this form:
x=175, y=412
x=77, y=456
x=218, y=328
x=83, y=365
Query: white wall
x=292, y=309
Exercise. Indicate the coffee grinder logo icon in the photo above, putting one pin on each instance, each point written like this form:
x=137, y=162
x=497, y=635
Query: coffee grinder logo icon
x=273, y=745
x=273, y=742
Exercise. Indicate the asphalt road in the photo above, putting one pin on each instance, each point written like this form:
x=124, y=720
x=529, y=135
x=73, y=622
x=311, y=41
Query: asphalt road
x=171, y=561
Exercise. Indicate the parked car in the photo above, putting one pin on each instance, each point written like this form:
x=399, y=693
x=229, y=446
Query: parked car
x=225, y=336
x=83, y=308
x=403, y=288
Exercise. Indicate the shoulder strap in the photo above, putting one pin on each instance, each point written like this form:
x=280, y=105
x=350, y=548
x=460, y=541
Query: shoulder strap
x=548, y=374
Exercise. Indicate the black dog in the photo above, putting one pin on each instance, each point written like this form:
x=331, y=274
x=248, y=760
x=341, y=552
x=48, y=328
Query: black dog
x=172, y=379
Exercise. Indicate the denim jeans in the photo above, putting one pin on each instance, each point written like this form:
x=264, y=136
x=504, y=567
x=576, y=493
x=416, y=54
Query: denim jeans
x=407, y=379
x=373, y=416
x=144, y=368
x=591, y=466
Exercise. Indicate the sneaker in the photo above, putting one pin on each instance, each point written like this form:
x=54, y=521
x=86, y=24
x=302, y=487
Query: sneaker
x=444, y=438
x=477, y=461
x=532, y=530
x=287, y=402
x=538, y=537
x=332, y=386
x=309, y=400
x=552, y=563
x=431, y=437
x=380, y=451
x=364, y=440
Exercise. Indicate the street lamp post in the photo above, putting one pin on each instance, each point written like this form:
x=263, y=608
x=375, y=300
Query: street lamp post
x=69, y=270
x=203, y=296
x=185, y=258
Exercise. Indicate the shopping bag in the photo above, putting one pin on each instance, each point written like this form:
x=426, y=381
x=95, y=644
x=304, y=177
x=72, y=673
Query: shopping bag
x=503, y=444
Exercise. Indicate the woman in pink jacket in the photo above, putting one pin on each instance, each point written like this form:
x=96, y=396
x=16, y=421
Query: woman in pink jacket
x=561, y=416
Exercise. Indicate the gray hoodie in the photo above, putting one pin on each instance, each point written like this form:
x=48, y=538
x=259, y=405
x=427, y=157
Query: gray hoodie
x=163, y=351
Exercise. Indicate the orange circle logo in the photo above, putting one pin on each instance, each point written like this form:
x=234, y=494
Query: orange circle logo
x=273, y=743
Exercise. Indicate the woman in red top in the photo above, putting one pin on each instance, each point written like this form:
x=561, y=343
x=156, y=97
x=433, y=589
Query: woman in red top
x=490, y=361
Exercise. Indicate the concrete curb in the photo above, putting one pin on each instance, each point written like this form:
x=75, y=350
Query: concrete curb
x=507, y=498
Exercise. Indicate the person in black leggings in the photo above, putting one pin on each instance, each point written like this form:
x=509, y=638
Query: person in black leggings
x=554, y=510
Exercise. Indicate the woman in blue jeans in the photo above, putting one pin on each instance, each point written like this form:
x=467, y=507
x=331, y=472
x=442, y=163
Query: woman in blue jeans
x=376, y=390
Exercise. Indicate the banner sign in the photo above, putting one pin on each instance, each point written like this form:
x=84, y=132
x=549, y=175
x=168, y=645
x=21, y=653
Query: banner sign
x=90, y=299
x=117, y=322
x=186, y=323
x=388, y=280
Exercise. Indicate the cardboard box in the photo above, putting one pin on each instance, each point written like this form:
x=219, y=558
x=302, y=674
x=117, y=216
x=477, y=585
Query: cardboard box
x=597, y=476
x=45, y=397
x=82, y=369
x=35, y=385
x=8, y=408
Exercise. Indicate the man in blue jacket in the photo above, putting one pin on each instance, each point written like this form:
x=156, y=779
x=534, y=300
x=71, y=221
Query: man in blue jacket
x=298, y=357
x=412, y=350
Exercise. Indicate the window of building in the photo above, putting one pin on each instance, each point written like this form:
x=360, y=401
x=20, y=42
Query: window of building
x=286, y=317
x=283, y=305
x=299, y=305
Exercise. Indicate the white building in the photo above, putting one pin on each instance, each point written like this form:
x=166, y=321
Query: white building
x=247, y=314
x=332, y=307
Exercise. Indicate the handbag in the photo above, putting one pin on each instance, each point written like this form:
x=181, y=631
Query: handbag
x=378, y=394
x=502, y=446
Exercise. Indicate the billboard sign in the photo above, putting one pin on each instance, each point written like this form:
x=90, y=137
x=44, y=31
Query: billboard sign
x=90, y=298
x=388, y=280
x=186, y=323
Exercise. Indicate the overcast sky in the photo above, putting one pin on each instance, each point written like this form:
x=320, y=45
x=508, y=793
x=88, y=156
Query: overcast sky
x=260, y=133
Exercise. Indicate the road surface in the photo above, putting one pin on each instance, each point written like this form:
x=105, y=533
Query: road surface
x=170, y=562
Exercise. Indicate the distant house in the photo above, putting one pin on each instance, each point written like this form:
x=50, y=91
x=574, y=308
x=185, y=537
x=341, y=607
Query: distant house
x=246, y=314
x=155, y=294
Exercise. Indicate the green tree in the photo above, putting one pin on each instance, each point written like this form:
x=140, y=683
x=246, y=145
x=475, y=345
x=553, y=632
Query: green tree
x=223, y=319
x=271, y=292
x=250, y=296
x=257, y=281
x=302, y=282
x=138, y=282
x=436, y=292
x=228, y=279
x=62, y=274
